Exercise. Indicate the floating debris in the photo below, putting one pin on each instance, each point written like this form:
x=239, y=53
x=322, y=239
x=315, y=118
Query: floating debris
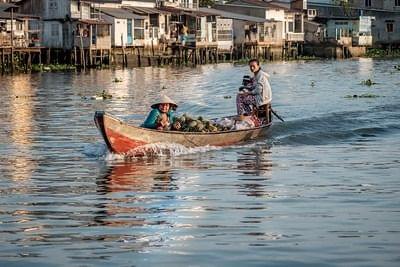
x=397, y=67
x=105, y=95
x=362, y=96
x=117, y=80
x=102, y=96
x=312, y=83
x=227, y=96
x=368, y=82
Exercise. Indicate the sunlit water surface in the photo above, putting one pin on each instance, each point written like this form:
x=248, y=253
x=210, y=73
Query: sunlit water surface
x=322, y=190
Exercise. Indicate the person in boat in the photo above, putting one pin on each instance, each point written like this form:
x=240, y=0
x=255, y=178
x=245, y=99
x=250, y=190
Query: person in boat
x=161, y=117
x=257, y=100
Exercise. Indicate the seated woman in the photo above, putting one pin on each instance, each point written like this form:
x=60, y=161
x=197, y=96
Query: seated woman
x=161, y=117
x=245, y=100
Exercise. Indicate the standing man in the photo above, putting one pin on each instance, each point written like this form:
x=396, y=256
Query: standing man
x=261, y=90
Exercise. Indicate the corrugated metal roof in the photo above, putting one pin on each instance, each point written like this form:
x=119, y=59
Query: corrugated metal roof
x=120, y=13
x=104, y=1
x=257, y=3
x=144, y=10
x=232, y=15
x=94, y=22
x=185, y=11
x=4, y=6
x=7, y=15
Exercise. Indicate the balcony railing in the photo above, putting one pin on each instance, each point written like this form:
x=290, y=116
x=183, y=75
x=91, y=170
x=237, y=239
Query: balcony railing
x=295, y=36
x=362, y=40
x=103, y=42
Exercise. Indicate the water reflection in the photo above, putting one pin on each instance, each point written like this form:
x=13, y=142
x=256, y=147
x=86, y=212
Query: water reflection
x=125, y=184
x=256, y=161
x=366, y=67
x=138, y=176
x=256, y=166
x=21, y=127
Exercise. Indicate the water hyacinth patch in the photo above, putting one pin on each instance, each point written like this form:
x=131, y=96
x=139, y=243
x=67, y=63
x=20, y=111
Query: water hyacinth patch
x=362, y=96
x=117, y=80
x=368, y=82
x=52, y=67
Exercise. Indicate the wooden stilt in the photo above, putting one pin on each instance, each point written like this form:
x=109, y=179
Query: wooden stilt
x=139, y=60
x=29, y=63
x=2, y=60
x=75, y=54
x=48, y=56
x=91, y=61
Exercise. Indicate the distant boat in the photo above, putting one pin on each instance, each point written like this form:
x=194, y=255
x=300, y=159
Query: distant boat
x=121, y=137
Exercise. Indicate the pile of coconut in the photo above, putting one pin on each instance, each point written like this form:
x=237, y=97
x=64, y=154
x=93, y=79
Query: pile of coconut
x=189, y=124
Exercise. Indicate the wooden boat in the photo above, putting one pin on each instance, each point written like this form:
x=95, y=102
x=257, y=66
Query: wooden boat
x=121, y=137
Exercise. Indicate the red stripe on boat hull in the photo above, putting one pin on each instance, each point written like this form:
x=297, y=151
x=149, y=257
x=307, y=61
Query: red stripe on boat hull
x=120, y=143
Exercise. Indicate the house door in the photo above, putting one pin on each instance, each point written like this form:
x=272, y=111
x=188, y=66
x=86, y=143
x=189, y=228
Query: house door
x=129, y=31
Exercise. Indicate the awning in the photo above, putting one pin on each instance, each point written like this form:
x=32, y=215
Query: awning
x=145, y=10
x=94, y=22
x=103, y=1
x=120, y=13
x=231, y=15
x=19, y=16
x=5, y=6
x=188, y=12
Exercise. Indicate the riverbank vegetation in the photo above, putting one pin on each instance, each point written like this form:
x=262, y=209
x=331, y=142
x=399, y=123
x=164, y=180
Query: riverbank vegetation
x=52, y=67
x=382, y=53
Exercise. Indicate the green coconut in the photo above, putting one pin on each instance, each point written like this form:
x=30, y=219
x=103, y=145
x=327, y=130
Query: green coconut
x=199, y=126
x=192, y=124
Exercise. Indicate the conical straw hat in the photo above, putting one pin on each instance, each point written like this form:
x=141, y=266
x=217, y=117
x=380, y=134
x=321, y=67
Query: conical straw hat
x=164, y=99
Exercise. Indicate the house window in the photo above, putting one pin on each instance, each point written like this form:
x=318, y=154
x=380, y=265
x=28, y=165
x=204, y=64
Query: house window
x=368, y=3
x=397, y=2
x=290, y=26
x=52, y=4
x=154, y=20
x=225, y=35
x=311, y=12
x=389, y=26
x=18, y=26
x=54, y=30
x=138, y=29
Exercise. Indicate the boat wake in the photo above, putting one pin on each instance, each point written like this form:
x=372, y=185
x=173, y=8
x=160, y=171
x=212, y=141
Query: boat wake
x=156, y=150
x=363, y=125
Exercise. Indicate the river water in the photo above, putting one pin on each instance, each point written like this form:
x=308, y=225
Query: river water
x=322, y=190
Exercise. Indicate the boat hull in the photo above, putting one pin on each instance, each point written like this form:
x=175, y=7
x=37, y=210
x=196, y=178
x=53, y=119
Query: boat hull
x=122, y=138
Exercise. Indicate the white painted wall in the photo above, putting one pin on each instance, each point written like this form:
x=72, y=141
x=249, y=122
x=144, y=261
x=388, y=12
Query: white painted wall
x=120, y=32
x=225, y=25
x=138, y=3
x=82, y=13
x=278, y=15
